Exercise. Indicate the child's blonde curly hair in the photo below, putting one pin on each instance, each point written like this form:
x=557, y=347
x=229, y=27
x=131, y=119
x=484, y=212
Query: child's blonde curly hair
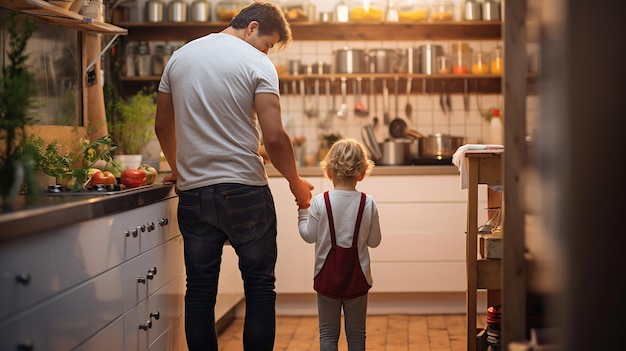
x=346, y=159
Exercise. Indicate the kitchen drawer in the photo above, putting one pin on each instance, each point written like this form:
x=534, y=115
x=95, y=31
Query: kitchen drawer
x=423, y=218
x=147, y=226
x=67, y=319
x=37, y=267
x=418, y=277
x=109, y=339
x=145, y=274
x=173, y=339
x=141, y=328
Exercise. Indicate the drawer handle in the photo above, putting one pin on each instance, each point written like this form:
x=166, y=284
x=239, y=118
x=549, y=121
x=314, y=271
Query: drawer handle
x=26, y=346
x=145, y=326
x=141, y=279
x=163, y=222
x=23, y=278
x=156, y=315
x=151, y=226
x=152, y=272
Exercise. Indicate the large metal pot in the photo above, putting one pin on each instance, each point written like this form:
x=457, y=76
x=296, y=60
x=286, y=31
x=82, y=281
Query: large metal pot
x=428, y=57
x=439, y=146
x=350, y=61
x=384, y=60
x=395, y=152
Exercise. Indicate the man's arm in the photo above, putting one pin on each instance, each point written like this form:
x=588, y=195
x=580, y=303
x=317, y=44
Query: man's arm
x=279, y=148
x=164, y=128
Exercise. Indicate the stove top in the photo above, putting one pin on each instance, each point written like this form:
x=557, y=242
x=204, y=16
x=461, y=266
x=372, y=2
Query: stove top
x=99, y=189
x=445, y=161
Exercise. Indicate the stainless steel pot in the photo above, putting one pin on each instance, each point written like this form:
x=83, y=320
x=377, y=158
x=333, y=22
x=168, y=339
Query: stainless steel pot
x=395, y=152
x=384, y=60
x=154, y=11
x=428, y=58
x=439, y=146
x=411, y=60
x=350, y=61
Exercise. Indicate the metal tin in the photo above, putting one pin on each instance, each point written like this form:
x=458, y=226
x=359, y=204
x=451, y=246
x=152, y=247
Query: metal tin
x=350, y=61
x=472, y=11
x=200, y=11
x=177, y=11
x=154, y=11
x=491, y=10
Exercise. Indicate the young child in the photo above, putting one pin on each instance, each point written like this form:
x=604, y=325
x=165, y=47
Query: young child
x=342, y=234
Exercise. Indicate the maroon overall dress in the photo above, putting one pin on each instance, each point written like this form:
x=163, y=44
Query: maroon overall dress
x=341, y=276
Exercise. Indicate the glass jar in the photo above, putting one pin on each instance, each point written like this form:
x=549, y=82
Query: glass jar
x=461, y=57
x=443, y=64
x=497, y=61
x=143, y=60
x=299, y=11
x=157, y=60
x=442, y=11
x=480, y=64
x=412, y=10
x=342, y=11
x=366, y=11
x=226, y=10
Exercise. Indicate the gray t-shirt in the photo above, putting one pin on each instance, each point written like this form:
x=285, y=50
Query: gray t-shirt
x=213, y=81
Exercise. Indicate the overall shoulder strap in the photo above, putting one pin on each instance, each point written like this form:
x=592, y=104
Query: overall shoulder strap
x=357, y=226
x=331, y=223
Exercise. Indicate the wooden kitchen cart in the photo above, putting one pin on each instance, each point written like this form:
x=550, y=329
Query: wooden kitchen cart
x=482, y=168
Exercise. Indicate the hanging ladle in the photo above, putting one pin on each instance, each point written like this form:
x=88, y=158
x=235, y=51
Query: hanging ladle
x=342, y=112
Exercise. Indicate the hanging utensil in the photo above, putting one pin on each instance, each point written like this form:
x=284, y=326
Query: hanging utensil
x=307, y=104
x=342, y=112
x=325, y=122
x=359, y=108
x=408, y=108
x=372, y=91
x=385, y=103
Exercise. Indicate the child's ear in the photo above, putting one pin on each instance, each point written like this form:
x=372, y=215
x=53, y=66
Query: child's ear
x=329, y=174
x=361, y=177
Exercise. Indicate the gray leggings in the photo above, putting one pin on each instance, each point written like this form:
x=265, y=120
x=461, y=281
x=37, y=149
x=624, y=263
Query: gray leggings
x=355, y=312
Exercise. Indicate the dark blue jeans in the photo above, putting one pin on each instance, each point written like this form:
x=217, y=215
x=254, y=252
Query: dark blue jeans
x=246, y=216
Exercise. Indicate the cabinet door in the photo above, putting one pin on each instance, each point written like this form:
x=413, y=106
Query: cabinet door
x=173, y=339
x=141, y=326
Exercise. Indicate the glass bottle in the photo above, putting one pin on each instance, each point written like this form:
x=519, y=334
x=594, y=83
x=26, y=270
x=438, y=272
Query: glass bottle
x=342, y=12
x=497, y=61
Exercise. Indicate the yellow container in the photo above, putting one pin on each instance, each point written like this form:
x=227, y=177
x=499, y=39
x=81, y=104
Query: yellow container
x=366, y=11
x=479, y=63
x=412, y=11
x=497, y=61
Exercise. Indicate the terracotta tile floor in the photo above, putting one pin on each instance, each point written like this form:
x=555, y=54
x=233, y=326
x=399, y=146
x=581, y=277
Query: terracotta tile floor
x=384, y=333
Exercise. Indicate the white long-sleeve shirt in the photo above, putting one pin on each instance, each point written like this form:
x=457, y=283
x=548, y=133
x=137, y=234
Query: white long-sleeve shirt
x=314, y=227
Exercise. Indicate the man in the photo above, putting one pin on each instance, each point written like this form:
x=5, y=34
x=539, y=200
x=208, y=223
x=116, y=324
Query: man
x=210, y=92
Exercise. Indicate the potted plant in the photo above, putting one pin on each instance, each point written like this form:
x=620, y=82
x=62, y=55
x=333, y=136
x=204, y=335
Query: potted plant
x=131, y=126
x=17, y=90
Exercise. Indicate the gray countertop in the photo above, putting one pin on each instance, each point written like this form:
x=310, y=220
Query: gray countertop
x=54, y=211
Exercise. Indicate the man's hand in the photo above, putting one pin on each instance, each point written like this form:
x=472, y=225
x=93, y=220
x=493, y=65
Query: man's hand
x=302, y=191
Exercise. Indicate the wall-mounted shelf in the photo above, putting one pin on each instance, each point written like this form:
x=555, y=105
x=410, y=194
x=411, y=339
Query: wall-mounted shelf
x=45, y=11
x=457, y=30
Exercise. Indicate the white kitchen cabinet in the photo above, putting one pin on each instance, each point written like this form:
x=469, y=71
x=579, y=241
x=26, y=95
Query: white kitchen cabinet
x=423, y=223
x=91, y=285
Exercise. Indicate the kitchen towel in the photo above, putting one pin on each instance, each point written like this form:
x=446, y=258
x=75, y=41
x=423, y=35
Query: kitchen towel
x=458, y=158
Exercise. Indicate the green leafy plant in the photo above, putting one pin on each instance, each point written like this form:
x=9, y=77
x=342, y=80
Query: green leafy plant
x=17, y=90
x=131, y=122
x=70, y=168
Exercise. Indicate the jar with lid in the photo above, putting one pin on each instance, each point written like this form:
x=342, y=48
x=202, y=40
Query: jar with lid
x=93, y=9
x=154, y=10
x=143, y=60
x=129, y=60
x=366, y=11
x=200, y=11
x=472, y=10
x=342, y=11
x=226, y=10
x=157, y=60
x=299, y=11
x=442, y=10
x=461, y=56
x=497, y=61
x=480, y=64
x=177, y=11
x=491, y=10
x=412, y=10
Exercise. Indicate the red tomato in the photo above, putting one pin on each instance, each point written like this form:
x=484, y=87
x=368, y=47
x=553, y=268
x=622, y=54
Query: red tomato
x=132, y=178
x=105, y=177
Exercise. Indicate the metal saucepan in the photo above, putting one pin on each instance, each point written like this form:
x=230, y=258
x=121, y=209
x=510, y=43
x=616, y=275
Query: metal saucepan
x=439, y=146
x=399, y=129
x=396, y=152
